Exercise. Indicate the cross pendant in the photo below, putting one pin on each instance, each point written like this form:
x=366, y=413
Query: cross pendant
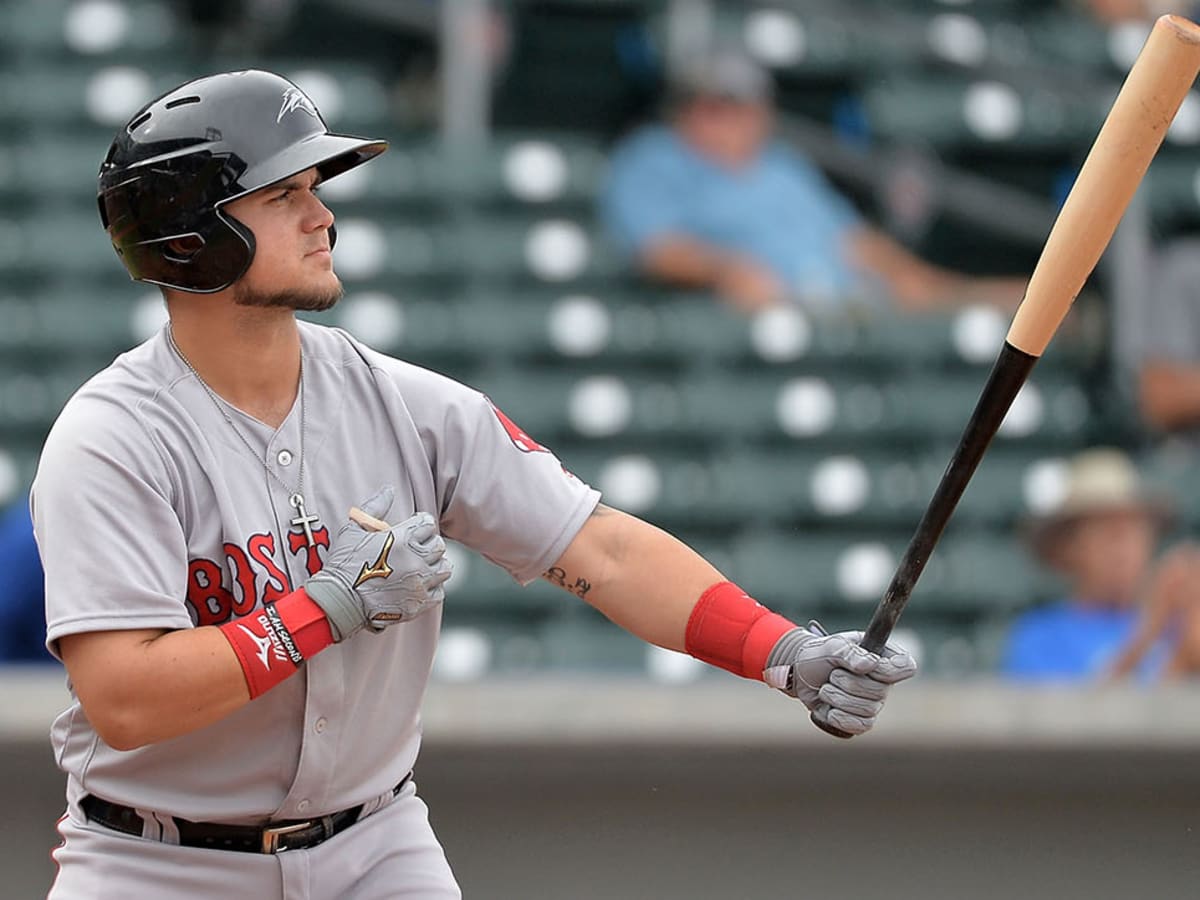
x=303, y=519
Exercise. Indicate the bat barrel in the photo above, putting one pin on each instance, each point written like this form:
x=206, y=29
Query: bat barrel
x=1131, y=134
x=1011, y=370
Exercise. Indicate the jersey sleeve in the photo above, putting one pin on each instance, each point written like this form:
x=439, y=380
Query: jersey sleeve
x=499, y=492
x=503, y=494
x=111, y=543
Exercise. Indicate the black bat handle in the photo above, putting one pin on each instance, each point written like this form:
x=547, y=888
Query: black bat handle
x=1010, y=372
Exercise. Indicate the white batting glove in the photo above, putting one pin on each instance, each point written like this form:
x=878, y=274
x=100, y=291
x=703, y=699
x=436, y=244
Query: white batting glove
x=842, y=684
x=373, y=579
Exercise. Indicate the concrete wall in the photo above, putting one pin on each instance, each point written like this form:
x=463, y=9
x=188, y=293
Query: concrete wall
x=654, y=821
x=571, y=792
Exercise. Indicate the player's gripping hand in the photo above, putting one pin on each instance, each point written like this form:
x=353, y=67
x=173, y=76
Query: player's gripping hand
x=841, y=683
x=372, y=579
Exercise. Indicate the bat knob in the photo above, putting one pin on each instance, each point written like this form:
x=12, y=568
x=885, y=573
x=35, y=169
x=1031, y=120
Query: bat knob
x=830, y=729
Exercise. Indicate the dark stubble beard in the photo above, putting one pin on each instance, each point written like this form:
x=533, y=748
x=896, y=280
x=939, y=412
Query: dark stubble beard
x=301, y=301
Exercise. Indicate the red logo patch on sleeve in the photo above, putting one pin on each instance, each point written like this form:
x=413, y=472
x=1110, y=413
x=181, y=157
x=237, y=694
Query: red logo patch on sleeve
x=520, y=439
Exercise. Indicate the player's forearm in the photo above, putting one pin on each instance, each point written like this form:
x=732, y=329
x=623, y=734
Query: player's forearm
x=637, y=575
x=1170, y=395
x=161, y=685
x=141, y=687
x=664, y=592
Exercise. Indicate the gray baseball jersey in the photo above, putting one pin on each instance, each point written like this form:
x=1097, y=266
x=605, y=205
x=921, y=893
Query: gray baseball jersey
x=150, y=512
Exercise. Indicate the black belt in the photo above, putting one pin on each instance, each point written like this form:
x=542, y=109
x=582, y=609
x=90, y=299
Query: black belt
x=291, y=834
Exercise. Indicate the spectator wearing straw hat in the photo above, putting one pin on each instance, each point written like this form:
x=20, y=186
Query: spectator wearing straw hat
x=1102, y=539
x=711, y=199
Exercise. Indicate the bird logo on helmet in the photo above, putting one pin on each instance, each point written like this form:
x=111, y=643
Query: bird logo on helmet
x=293, y=99
x=186, y=154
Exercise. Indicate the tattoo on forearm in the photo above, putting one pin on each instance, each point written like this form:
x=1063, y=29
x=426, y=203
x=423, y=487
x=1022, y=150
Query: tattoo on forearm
x=577, y=586
x=571, y=583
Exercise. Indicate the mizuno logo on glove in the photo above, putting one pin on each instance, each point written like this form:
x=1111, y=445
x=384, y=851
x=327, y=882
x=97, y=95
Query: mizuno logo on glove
x=379, y=568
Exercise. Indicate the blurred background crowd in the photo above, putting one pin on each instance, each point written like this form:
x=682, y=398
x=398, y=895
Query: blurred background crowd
x=742, y=266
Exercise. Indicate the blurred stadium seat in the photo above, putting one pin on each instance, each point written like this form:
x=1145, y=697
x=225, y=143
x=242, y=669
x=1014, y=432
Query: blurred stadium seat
x=95, y=29
x=954, y=112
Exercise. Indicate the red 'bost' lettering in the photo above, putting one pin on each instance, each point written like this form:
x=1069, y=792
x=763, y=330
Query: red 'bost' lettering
x=217, y=598
x=262, y=549
x=212, y=601
x=243, y=579
x=312, y=559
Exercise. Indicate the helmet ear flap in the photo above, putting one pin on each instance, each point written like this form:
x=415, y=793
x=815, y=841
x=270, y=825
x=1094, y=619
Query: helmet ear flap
x=183, y=249
x=226, y=256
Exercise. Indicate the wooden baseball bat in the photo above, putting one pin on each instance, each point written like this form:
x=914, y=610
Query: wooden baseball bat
x=1130, y=136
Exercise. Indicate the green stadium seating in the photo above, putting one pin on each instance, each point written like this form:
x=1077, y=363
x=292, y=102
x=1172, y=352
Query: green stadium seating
x=953, y=651
x=497, y=251
x=65, y=29
x=582, y=66
x=45, y=167
x=1172, y=190
x=950, y=112
x=797, y=451
x=59, y=95
x=963, y=338
x=77, y=323
x=537, y=170
x=589, y=642
x=481, y=588
x=830, y=43
x=56, y=243
x=30, y=400
x=709, y=407
x=1073, y=39
x=968, y=575
x=18, y=463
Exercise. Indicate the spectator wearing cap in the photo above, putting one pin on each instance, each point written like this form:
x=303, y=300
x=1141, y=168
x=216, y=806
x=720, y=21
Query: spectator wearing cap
x=711, y=200
x=1101, y=538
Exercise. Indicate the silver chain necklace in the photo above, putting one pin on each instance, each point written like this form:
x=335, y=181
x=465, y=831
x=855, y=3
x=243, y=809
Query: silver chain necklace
x=302, y=520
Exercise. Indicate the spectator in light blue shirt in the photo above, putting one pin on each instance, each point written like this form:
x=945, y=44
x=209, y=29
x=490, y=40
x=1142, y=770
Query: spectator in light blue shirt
x=1121, y=607
x=710, y=200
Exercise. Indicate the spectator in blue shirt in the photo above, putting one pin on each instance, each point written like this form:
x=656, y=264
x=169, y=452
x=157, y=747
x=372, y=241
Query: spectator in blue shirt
x=709, y=200
x=22, y=602
x=1102, y=540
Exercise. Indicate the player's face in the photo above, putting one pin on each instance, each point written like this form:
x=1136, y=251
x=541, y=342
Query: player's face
x=292, y=266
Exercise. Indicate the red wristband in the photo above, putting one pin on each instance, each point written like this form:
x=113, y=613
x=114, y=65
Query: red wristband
x=271, y=643
x=730, y=629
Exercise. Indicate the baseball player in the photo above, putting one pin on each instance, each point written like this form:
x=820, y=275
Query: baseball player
x=246, y=661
